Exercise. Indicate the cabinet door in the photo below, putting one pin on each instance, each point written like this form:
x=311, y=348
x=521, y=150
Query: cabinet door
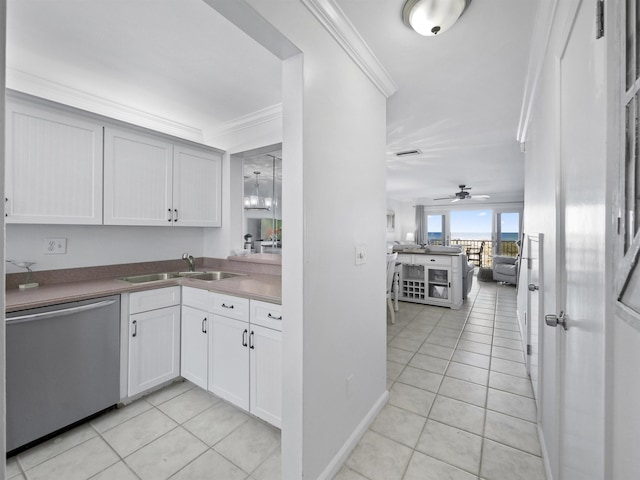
x=266, y=374
x=229, y=360
x=197, y=188
x=137, y=179
x=154, y=348
x=194, y=345
x=439, y=285
x=53, y=167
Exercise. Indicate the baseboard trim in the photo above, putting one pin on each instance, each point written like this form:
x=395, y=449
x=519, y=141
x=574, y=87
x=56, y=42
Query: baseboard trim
x=336, y=462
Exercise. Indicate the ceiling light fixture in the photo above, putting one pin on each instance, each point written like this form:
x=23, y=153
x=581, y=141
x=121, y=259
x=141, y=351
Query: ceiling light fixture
x=432, y=17
x=256, y=201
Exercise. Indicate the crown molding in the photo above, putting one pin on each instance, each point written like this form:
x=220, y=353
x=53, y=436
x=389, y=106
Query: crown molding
x=57, y=92
x=340, y=27
x=541, y=38
x=251, y=120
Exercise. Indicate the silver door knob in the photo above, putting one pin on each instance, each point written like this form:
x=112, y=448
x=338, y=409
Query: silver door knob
x=533, y=288
x=554, y=320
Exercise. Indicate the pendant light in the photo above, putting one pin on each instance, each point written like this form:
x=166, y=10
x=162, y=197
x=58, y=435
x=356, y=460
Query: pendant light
x=432, y=17
x=256, y=201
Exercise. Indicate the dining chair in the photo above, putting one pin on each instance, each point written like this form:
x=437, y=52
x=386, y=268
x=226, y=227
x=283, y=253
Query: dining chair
x=391, y=274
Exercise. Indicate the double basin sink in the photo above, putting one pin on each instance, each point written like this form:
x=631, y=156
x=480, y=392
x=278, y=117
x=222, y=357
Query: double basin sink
x=155, y=277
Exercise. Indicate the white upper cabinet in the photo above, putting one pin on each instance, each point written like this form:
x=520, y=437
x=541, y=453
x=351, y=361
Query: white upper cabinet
x=197, y=193
x=137, y=179
x=152, y=181
x=53, y=166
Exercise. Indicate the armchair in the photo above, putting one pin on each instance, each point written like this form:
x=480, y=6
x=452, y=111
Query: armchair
x=505, y=269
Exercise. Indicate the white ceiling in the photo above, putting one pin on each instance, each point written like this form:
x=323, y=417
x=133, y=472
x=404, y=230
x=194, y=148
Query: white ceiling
x=458, y=101
x=459, y=97
x=177, y=59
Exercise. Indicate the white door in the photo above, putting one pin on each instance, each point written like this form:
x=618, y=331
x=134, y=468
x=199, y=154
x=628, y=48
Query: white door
x=266, y=374
x=534, y=301
x=194, y=346
x=581, y=248
x=229, y=360
x=154, y=348
x=197, y=192
x=137, y=179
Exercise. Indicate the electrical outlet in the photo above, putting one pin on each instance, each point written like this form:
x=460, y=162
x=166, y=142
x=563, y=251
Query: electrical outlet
x=55, y=246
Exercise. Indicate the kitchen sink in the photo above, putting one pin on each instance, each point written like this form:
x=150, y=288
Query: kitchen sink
x=210, y=276
x=156, y=277
x=150, y=277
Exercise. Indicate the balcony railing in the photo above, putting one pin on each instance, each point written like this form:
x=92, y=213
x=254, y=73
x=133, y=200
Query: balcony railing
x=508, y=247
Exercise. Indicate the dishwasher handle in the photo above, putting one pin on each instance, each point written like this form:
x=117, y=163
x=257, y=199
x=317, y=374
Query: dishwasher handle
x=58, y=313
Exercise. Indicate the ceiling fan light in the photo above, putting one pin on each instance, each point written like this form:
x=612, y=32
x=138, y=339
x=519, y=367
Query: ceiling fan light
x=432, y=17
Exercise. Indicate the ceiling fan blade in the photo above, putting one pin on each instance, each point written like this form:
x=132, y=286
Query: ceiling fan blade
x=445, y=198
x=456, y=200
x=480, y=197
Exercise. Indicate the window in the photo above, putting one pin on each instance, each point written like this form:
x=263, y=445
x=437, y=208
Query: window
x=436, y=230
x=628, y=286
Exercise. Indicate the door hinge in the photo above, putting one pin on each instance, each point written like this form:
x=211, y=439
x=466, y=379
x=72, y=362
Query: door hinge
x=599, y=19
x=528, y=349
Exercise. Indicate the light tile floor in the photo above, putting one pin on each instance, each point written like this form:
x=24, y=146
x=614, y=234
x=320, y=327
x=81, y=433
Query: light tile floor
x=461, y=408
x=460, y=405
x=180, y=432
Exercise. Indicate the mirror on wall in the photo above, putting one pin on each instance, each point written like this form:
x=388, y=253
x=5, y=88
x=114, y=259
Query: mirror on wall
x=262, y=202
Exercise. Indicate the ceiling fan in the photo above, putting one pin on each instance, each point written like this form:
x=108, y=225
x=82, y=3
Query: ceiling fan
x=463, y=194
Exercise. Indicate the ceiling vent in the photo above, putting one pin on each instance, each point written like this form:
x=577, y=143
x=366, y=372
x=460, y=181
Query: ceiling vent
x=408, y=153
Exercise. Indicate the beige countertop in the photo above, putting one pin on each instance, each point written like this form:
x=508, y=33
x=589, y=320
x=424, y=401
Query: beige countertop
x=249, y=285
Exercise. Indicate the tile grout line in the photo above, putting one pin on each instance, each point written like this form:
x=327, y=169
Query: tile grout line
x=439, y=385
x=486, y=400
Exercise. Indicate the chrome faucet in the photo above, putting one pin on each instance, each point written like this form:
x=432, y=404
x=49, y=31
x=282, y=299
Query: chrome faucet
x=190, y=260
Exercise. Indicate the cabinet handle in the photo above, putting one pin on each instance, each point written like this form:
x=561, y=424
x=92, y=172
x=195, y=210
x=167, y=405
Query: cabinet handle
x=204, y=325
x=170, y=217
x=227, y=306
x=251, y=345
x=6, y=207
x=135, y=328
x=432, y=259
x=275, y=318
x=244, y=337
x=176, y=213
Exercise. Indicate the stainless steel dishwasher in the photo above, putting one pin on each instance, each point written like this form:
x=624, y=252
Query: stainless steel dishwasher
x=62, y=364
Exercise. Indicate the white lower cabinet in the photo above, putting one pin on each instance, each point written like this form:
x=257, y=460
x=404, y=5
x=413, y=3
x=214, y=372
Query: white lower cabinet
x=265, y=374
x=229, y=360
x=154, y=339
x=232, y=347
x=245, y=358
x=194, y=350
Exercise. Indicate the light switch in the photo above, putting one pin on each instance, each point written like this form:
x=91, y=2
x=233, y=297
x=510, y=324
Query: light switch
x=361, y=254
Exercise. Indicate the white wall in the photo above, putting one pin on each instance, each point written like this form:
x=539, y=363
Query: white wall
x=342, y=329
x=100, y=245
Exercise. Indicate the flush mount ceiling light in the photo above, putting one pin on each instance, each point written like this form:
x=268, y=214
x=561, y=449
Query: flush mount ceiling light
x=432, y=17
